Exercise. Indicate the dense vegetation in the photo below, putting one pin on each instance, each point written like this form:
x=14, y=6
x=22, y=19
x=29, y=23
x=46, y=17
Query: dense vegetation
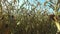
x=27, y=18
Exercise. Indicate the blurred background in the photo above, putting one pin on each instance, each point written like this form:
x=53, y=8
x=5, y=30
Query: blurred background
x=29, y=16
